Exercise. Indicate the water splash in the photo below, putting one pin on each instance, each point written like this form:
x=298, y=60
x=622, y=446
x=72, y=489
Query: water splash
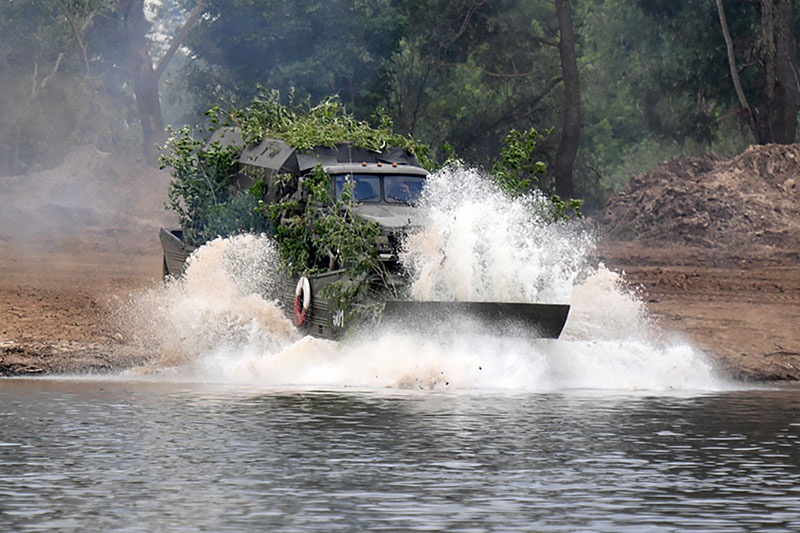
x=227, y=298
x=223, y=323
x=480, y=245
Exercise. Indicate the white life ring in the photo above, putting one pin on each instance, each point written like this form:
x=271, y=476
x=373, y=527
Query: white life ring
x=302, y=301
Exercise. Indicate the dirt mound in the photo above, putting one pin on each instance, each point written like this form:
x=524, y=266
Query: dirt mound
x=93, y=201
x=750, y=200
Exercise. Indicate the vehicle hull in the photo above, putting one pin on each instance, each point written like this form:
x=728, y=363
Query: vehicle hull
x=324, y=319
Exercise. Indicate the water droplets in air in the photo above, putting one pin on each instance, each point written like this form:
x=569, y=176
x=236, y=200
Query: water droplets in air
x=223, y=322
x=480, y=245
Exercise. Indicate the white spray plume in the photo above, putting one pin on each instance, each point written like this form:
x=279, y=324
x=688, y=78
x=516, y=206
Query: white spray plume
x=478, y=244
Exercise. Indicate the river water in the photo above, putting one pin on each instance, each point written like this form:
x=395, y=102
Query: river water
x=151, y=454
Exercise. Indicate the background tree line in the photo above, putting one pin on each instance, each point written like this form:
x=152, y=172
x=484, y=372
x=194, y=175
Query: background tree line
x=613, y=86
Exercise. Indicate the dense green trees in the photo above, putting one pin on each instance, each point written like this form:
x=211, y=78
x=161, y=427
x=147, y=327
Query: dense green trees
x=469, y=72
x=747, y=65
x=312, y=48
x=614, y=85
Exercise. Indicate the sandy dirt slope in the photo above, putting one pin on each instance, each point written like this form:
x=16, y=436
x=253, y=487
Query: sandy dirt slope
x=715, y=242
x=58, y=309
x=76, y=240
x=744, y=312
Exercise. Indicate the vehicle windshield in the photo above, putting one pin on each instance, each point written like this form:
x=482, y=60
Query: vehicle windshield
x=371, y=188
x=399, y=188
x=365, y=188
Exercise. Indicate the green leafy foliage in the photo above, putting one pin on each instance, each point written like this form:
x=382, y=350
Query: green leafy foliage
x=315, y=47
x=320, y=233
x=55, y=91
x=654, y=79
x=518, y=170
x=305, y=126
x=315, y=232
x=203, y=190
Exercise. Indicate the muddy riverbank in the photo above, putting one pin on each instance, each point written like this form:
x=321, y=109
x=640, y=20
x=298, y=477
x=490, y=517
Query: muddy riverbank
x=59, y=310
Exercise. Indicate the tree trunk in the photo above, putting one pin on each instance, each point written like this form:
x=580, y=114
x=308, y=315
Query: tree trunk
x=145, y=82
x=777, y=118
x=783, y=105
x=571, y=132
x=774, y=121
x=749, y=114
x=145, y=77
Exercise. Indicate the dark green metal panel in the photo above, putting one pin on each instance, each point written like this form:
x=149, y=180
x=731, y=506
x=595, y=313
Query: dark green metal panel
x=523, y=319
x=175, y=251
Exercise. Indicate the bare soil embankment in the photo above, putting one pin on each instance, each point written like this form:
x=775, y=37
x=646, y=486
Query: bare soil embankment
x=743, y=312
x=74, y=241
x=713, y=244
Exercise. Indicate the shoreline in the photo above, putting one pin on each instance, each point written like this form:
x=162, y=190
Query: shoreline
x=57, y=309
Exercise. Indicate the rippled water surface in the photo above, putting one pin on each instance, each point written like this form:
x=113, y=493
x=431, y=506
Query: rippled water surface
x=139, y=455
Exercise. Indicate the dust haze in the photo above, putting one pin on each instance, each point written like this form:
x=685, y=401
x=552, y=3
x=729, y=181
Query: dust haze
x=95, y=202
